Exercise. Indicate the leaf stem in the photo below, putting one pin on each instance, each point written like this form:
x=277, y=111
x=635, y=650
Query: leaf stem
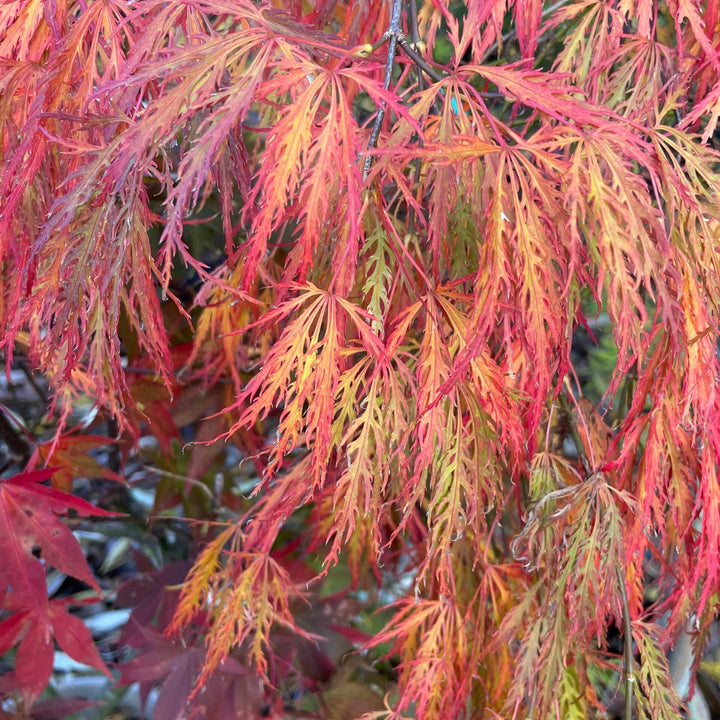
x=415, y=36
x=574, y=432
x=628, y=662
x=16, y=438
x=512, y=33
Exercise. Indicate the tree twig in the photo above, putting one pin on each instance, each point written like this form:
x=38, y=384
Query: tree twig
x=415, y=56
x=392, y=34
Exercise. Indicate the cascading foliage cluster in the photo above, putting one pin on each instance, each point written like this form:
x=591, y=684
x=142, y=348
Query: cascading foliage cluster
x=420, y=203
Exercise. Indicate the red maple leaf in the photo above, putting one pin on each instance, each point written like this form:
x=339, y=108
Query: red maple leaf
x=232, y=690
x=29, y=521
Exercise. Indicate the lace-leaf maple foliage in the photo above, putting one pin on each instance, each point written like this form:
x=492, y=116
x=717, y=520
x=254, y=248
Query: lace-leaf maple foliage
x=417, y=223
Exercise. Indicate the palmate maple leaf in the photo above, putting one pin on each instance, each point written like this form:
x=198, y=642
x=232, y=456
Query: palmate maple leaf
x=232, y=690
x=29, y=520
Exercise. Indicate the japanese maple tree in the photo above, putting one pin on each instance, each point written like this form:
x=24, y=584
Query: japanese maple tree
x=417, y=210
